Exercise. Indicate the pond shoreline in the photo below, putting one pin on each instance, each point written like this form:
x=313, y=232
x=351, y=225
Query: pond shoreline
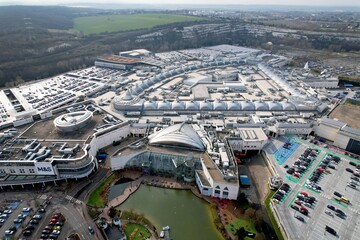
x=161, y=182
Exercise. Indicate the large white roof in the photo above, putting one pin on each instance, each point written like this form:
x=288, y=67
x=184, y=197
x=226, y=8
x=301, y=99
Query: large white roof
x=180, y=135
x=164, y=105
x=177, y=105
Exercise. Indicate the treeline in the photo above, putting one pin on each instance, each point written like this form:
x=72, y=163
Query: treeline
x=18, y=17
x=26, y=42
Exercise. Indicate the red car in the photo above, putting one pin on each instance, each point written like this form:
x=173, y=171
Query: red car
x=304, y=194
x=297, y=175
x=320, y=169
x=297, y=202
x=356, y=174
x=302, y=208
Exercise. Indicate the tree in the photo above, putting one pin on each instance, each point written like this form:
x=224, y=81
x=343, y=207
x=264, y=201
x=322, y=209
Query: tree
x=242, y=198
x=112, y=212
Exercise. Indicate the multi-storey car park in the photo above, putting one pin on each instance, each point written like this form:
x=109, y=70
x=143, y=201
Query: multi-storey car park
x=194, y=114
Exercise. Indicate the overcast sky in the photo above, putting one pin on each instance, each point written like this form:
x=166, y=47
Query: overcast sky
x=245, y=2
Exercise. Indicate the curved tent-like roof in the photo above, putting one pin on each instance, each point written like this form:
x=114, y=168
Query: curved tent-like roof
x=192, y=106
x=275, y=106
x=163, y=105
x=205, y=105
x=247, y=106
x=261, y=106
x=149, y=105
x=288, y=106
x=219, y=106
x=136, y=89
x=179, y=135
x=177, y=105
x=146, y=84
x=233, y=106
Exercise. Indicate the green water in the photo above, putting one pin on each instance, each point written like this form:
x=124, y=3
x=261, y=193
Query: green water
x=188, y=216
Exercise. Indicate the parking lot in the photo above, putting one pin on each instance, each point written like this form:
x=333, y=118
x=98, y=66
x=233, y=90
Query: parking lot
x=326, y=175
x=57, y=220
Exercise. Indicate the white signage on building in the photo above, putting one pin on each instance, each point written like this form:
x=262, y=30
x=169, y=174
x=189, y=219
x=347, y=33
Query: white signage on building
x=44, y=168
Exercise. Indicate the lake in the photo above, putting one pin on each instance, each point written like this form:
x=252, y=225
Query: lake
x=188, y=216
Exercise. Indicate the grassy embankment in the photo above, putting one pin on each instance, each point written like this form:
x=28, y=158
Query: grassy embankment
x=271, y=216
x=117, y=23
x=97, y=197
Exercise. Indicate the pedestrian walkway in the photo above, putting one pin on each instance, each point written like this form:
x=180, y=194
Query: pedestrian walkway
x=72, y=199
x=43, y=197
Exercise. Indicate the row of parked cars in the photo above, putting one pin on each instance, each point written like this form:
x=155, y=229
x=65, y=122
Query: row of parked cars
x=53, y=229
x=282, y=192
x=18, y=222
x=335, y=211
x=327, y=163
x=355, y=176
x=302, y=164
x=34, y=221
x=4, y=215
x=303, y=203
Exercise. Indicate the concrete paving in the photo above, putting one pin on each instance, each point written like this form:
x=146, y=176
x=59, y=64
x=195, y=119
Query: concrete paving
x=336, y=180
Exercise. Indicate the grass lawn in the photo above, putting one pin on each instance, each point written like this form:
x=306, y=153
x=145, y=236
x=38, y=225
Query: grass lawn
x=271, y=216
x=116, y=23
x=95, y=199
x=136, y=232
x=241, y=222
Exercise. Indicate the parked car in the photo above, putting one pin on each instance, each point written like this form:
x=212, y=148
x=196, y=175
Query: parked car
x=355, y=178
x=340, y=212
x=338, y=194
x=28, y=209
x=300, y=218
x=330, y=230
x=331, y=166
x=9, y=232
x=27, y=232
x=8, y=211
x=91, y=230
x=331, y=207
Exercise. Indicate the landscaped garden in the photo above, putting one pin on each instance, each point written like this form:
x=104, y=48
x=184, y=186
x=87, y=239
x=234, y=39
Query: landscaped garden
x=135, y=231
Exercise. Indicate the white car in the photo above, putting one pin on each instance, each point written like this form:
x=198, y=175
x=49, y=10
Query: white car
x=9, y=232
x=56, y=232
x=26, y=209
x=37, y=217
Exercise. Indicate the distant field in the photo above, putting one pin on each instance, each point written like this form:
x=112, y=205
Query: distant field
x=116, y=23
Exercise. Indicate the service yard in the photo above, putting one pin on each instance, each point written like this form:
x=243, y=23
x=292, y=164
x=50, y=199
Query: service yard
x=310, y=209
